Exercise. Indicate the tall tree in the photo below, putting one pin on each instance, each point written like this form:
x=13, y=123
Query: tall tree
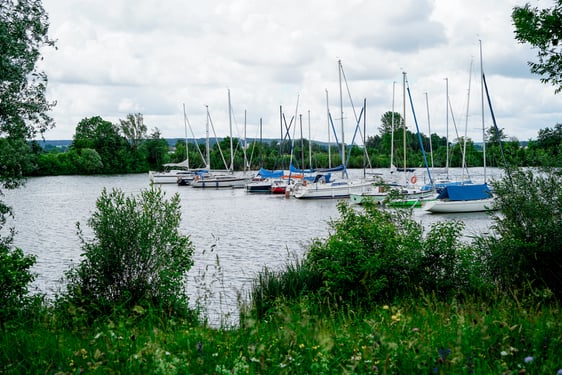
x=23, y=113
x=134, y=129
x=23, y=105
x=542, y=29
x=390, y=121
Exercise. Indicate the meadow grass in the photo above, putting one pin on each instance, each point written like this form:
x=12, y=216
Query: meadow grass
x=498, y=334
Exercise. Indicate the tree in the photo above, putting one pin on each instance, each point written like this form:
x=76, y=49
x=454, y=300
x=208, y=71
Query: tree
x=495, y=135
x=156, y=150
x=23, y=113
x=391, y=121
x=90, y=161
x=528, y=246
x=138, y=255
x=103, y=136
x=134, y=129
x=23, y=32
x=542, y=29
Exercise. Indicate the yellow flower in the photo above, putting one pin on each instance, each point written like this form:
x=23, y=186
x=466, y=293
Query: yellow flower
x=385, y=307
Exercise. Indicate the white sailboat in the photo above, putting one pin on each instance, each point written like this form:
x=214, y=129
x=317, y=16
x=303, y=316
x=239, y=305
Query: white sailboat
x=395, y=194
x=323, y=187
x=215, y=180
x=466, y=197
x=173, y=171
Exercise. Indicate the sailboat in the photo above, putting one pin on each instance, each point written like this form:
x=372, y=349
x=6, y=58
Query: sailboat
x=219, y=180
x=174, y=171
x=323, y=187
x=395, y=194
x=466, y=197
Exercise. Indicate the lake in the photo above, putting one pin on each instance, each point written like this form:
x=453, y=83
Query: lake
x=235, y=234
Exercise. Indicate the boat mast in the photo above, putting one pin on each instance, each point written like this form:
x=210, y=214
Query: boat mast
x=392, y=128
x=482, y=98
x=447, y=125
x=429, y=128
x=186, y=143
x=261, y=151
x=281, y=137
x=365, y=154
x=309, y=143
x=230, y=126
x=329, y=130
x=207, y=145
x=341, y=115
x=466, y=122
x=302, y=143
x=404, y=130
x=246, y=166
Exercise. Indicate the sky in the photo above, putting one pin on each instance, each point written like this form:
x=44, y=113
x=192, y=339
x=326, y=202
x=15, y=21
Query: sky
x=157, y=57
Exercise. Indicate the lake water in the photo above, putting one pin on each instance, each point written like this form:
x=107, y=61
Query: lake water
x=235, y=234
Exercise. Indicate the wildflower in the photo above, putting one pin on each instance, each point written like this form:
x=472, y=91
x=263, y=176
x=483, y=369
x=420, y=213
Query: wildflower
x=415, y=329
x=528, y=359
x=301, y=346
x=503, y=353
x=559, y=372
x=443, y=353
x=385, y=307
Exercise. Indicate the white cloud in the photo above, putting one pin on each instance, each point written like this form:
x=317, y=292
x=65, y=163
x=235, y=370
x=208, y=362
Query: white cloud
x=148, y=56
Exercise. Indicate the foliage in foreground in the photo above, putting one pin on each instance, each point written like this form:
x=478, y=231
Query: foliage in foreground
x=372, y=256
x=498, y=334
x=529, y=247
x=137, y=255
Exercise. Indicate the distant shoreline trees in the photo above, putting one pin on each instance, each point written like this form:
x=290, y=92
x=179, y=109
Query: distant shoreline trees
x=100, y=147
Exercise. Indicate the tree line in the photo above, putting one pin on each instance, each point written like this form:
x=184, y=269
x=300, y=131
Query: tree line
x=101, y=147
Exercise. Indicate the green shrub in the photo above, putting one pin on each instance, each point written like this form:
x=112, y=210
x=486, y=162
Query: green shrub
x=137, y=255
x=372, y=254
x=447, y=264
x=528, y=245
x=15, y=273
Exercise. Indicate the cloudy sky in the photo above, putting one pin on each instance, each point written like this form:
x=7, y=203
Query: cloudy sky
x=154, y=56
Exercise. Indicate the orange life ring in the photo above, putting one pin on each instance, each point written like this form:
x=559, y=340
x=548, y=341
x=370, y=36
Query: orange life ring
x=413, y=180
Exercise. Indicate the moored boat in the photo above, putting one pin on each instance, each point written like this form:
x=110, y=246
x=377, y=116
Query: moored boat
x=462, y=198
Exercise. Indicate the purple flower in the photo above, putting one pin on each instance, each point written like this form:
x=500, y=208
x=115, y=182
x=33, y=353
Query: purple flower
x=528, y=359
x=559, y=372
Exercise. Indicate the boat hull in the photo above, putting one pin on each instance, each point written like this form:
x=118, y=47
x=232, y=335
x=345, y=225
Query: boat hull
x=258, y=187
x=445, y=206
x=167, y=177
x=220, y=182
x=334, y=190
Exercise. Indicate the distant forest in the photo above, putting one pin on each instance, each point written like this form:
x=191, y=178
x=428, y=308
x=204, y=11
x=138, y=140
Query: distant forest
x=101, y=147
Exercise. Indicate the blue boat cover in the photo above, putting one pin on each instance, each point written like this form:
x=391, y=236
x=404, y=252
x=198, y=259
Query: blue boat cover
x=266, y=173
x=469, y=192
x=294, y=169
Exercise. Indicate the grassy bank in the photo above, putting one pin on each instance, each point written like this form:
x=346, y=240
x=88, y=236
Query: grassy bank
x=496, y=335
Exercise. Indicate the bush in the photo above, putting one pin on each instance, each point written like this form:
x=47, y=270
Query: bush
x=15, y=273
x=137, y=256
x=374, y=255
x=528, y=246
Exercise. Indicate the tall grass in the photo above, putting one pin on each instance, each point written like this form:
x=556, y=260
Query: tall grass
x=497, y=334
